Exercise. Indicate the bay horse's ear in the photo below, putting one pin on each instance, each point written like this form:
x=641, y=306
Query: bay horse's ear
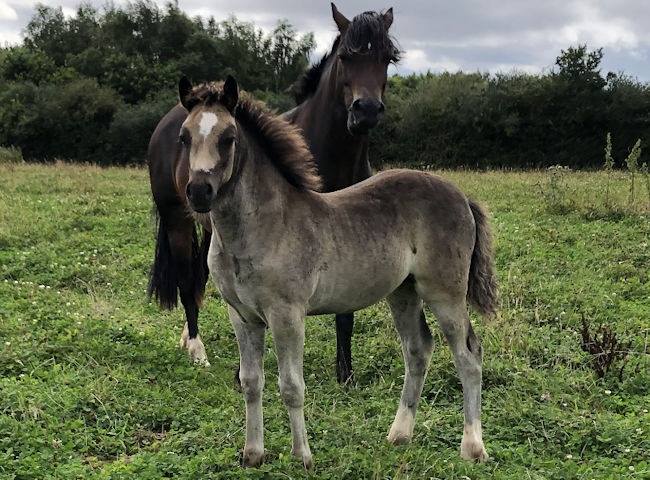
x=388, y=18
x=184, y=90
x=230, y=95
x=341, y=21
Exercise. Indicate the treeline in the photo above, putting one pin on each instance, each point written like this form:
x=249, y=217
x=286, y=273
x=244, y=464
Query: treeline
x=514, y=120
x=93, y=87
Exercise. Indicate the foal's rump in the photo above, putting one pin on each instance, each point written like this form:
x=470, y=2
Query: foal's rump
x=397, y=224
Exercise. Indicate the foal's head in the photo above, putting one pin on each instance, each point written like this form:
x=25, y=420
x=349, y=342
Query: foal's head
x=209, y=133
x=219, y=126
x=360, y=57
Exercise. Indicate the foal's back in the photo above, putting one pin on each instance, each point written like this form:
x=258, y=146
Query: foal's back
x=375, y=234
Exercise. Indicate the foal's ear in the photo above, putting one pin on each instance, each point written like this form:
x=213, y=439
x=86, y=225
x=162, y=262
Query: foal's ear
x=230, y=95
x=341, y=21
x=388, y=18
x=184, y=90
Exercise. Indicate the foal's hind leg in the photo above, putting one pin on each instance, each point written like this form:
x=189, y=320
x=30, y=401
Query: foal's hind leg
x=417, y=345
x=466, y=348
x=180, y=236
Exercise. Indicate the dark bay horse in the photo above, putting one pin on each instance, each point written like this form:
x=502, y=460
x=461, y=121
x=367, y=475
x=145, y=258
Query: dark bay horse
x=281, y=251
x=340, y=100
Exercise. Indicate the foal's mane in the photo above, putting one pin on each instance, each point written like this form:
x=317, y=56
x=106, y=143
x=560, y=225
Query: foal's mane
x=281, y=141
x=367, y=27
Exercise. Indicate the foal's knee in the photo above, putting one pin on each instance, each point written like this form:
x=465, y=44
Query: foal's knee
x=292, y=389
x=251, y=385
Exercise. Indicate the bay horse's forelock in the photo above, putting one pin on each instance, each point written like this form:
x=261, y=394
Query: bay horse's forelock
x=283, y=253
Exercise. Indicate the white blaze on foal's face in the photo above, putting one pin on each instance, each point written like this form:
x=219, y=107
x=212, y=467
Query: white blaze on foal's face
x=207, y=122
x=208, y=133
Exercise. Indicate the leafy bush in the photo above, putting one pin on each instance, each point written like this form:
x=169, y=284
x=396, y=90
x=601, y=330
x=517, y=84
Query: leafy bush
x=10, y=155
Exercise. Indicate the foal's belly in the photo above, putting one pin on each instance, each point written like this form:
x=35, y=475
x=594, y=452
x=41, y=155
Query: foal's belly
x=353, y=284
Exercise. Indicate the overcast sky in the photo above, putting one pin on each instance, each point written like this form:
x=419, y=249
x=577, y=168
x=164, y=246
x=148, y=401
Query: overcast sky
x=469, y=35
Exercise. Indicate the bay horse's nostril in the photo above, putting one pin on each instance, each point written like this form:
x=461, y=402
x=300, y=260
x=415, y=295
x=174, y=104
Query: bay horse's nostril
x=382, y=107
x=356, y=105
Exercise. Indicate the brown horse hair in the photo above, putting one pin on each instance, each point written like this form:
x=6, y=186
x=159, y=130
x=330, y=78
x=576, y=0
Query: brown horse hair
x=282, y=141
x=367, y=27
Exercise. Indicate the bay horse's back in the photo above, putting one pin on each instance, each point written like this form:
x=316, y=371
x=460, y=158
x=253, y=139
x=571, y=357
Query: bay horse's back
x=162, y=153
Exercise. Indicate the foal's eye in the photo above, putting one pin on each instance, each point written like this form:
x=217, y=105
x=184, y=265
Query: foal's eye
x=227, y=141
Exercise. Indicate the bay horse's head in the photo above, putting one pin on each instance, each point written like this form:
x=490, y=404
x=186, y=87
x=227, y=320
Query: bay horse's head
x=362, y=53
x=209, y=134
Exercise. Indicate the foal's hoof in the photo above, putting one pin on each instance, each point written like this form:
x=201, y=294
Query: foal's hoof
x=473, y=451
x=401, y=431
x=398, y=437
x=253, y=458
x=307, y=459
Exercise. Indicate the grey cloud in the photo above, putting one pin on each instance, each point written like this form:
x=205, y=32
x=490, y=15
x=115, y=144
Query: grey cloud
x=464, y=34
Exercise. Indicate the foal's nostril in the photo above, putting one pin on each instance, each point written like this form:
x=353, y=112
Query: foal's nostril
x=208, y=190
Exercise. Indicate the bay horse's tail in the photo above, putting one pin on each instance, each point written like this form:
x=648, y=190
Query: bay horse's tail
x=482, y=291
x=163, y=278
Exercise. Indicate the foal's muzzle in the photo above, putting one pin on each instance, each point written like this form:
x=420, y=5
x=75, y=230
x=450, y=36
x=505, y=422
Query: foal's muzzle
x=199, y=195
x=364, y=114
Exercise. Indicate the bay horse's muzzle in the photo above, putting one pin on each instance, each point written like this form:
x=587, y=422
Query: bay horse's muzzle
x=200, y=194
x=364, y=114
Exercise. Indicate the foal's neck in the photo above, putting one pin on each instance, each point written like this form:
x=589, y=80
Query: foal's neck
x=255, y=200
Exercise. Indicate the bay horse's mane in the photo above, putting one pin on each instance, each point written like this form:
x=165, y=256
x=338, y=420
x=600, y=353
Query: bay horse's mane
x=281, y=141
x=367, y=27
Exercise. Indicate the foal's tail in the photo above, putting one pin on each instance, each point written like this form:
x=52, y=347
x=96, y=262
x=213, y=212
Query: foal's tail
x=482, y=292
x=163, y=278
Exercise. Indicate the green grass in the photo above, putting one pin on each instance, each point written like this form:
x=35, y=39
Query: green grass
x=93, y=385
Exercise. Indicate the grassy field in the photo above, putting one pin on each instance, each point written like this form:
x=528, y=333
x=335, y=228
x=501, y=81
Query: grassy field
x=93, y=384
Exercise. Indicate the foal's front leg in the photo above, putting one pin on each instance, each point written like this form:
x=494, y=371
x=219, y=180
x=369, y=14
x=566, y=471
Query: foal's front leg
x=250, y=337
x=288, y=328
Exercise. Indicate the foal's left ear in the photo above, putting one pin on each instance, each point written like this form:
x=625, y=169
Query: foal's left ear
x=230, y=95
x=388, y=18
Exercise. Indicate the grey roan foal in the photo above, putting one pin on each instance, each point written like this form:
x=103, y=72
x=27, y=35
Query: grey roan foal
x=280, y=251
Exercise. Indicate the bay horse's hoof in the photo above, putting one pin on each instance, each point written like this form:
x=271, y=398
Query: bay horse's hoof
x=197, y=352
x=345, y=377
x=252, y=457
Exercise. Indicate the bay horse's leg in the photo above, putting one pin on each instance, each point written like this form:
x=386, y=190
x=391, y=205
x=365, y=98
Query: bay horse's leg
x=417, y=346
x=344, y=328
x=250, y=338
x=288, y=329
x=182, y=243
x=468, y=354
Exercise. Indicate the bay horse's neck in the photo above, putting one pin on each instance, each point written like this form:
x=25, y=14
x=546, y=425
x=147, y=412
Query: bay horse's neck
x=342, y=158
